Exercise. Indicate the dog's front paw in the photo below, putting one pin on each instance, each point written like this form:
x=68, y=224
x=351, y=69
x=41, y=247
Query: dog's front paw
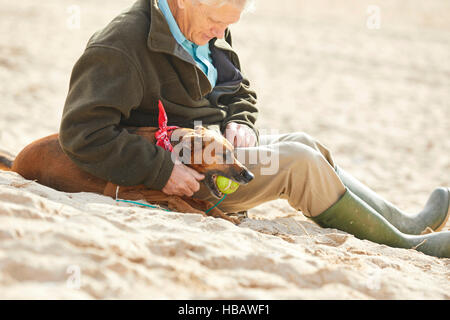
x=238, y=216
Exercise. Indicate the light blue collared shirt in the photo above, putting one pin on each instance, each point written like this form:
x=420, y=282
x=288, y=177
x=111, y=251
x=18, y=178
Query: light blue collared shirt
x=200, y=54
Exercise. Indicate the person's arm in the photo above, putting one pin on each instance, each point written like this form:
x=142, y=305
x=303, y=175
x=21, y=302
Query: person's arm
x=242, y=109
x=106, y=85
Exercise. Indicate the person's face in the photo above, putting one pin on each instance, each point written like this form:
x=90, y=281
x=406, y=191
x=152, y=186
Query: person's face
x=204, y=22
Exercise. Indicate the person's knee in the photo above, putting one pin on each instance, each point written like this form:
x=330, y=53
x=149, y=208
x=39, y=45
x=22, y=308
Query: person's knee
x=298, y=154
x=315, y=144
x=306, y=139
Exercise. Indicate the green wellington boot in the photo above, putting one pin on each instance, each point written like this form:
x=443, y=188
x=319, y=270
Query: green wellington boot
x=434, y=215
x=353, y=215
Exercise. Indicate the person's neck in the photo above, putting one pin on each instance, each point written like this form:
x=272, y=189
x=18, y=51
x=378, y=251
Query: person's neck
x=177, y=14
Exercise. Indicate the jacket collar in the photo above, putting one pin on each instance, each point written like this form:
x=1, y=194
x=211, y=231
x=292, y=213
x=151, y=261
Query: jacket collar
x=161, y=39
x=222, y=44
x=173, y=25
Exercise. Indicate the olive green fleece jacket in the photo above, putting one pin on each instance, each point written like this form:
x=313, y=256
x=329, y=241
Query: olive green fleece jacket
x=126, y=68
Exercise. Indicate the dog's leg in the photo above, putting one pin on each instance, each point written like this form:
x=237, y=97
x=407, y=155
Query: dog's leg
x=175, y=203
x=178, y=204
x=215, y=212
x=155, y=197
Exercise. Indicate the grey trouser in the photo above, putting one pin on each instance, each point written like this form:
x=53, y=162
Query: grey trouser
x=291, y=166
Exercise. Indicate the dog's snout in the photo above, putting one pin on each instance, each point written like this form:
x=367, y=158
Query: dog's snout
x=246, y=176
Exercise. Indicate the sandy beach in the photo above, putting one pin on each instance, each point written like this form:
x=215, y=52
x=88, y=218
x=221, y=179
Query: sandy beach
x=376, y=95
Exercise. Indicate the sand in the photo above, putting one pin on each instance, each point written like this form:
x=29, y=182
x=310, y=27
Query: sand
x=378, y=98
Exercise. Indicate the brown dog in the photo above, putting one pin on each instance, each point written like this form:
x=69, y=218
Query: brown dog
x=45, y=162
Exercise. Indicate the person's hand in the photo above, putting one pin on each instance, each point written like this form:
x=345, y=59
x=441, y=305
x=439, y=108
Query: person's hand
x=240, y=135
x=183, y=181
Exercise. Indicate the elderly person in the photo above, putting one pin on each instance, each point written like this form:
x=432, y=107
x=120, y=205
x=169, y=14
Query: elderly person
x=180, y=52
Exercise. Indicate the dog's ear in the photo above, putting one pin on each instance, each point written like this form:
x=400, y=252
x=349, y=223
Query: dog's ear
x=183, y=149
x=201, y=136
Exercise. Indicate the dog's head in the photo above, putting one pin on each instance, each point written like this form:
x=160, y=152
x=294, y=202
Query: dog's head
x=212, y=155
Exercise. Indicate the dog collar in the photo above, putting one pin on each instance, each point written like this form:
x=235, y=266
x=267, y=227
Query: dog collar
x=165, y=132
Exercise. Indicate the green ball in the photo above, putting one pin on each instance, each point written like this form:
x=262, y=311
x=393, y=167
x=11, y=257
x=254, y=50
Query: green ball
x=226, y=185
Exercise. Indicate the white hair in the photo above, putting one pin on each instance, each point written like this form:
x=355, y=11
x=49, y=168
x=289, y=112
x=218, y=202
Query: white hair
x=249, y=5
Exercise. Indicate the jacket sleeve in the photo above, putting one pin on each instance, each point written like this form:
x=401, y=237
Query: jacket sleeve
x=242, y=108
x=106, y=85
x=242, y=105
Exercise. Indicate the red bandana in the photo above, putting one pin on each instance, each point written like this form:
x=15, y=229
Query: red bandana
x=163, y=134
